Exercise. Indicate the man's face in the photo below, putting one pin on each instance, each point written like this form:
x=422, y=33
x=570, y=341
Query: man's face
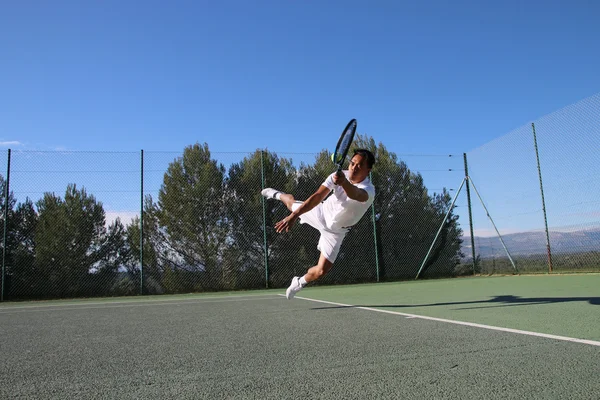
x=358, y=168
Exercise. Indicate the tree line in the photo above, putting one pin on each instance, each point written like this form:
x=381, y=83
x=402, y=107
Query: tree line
x=208, y=226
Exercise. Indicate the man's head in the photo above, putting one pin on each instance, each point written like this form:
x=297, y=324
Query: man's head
x=360, y=165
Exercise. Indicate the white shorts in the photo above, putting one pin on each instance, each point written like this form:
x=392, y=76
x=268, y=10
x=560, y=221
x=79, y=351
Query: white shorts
x=330, y=241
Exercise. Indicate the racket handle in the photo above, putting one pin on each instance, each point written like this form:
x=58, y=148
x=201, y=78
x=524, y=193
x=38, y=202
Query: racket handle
x=339, y=171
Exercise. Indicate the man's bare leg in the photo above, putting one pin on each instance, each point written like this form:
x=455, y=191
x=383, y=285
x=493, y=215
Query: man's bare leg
x=285, y=198
x=317, y=272
x=314, y=273
x=288, y=200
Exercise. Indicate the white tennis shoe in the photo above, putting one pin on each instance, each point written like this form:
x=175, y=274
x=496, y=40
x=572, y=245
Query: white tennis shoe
x=269, y=193
x=294, y=288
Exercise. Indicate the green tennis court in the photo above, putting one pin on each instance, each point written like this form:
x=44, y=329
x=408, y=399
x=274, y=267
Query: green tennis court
x=494, y=338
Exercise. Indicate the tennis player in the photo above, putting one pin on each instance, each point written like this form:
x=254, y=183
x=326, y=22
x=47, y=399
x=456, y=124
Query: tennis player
x=353, y=194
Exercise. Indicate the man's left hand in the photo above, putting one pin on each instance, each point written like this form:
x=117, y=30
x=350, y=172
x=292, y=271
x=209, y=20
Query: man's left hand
x=339, y=178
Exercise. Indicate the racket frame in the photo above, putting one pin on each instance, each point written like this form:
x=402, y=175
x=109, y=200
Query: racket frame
x=342, y=156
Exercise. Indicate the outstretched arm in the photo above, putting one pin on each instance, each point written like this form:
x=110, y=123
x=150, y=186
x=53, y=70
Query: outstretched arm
x=317, y=197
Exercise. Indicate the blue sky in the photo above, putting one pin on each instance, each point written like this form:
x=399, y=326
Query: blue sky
x=433, y=77
x=430, y=77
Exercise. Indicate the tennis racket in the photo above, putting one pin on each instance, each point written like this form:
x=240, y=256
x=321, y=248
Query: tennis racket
x=343, y=145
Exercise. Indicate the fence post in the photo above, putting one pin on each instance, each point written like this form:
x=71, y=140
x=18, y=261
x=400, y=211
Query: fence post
x=543, y=201
x=470, y=211
x=142, y=222
x=264, y=209
x=374, y=232
x=6, y=193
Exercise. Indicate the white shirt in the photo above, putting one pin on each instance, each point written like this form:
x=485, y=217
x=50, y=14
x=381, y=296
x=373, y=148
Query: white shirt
x=339, y=210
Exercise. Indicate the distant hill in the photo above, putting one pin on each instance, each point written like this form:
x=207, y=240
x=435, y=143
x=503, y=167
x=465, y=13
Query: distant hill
x=529, y=243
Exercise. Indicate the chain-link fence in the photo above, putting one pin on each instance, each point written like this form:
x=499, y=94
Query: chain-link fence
x=74, y=219
x=109, y=224
x=540, y=186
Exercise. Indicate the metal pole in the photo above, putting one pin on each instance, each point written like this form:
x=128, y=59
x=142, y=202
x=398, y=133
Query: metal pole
x=142, y=222
x=543, y=201
x=374, y=233
x=490, y=217
x=6, y=193
x=470, y=211
x=441, y=226
x=264, y=209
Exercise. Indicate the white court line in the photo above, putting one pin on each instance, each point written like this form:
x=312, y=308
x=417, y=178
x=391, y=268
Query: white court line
x=471, y=324
x=137, y=303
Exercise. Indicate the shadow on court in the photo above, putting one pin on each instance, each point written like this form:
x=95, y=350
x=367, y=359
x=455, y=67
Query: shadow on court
x=497, y=301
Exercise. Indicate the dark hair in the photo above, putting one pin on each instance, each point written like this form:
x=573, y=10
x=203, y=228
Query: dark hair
x=366, y=154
